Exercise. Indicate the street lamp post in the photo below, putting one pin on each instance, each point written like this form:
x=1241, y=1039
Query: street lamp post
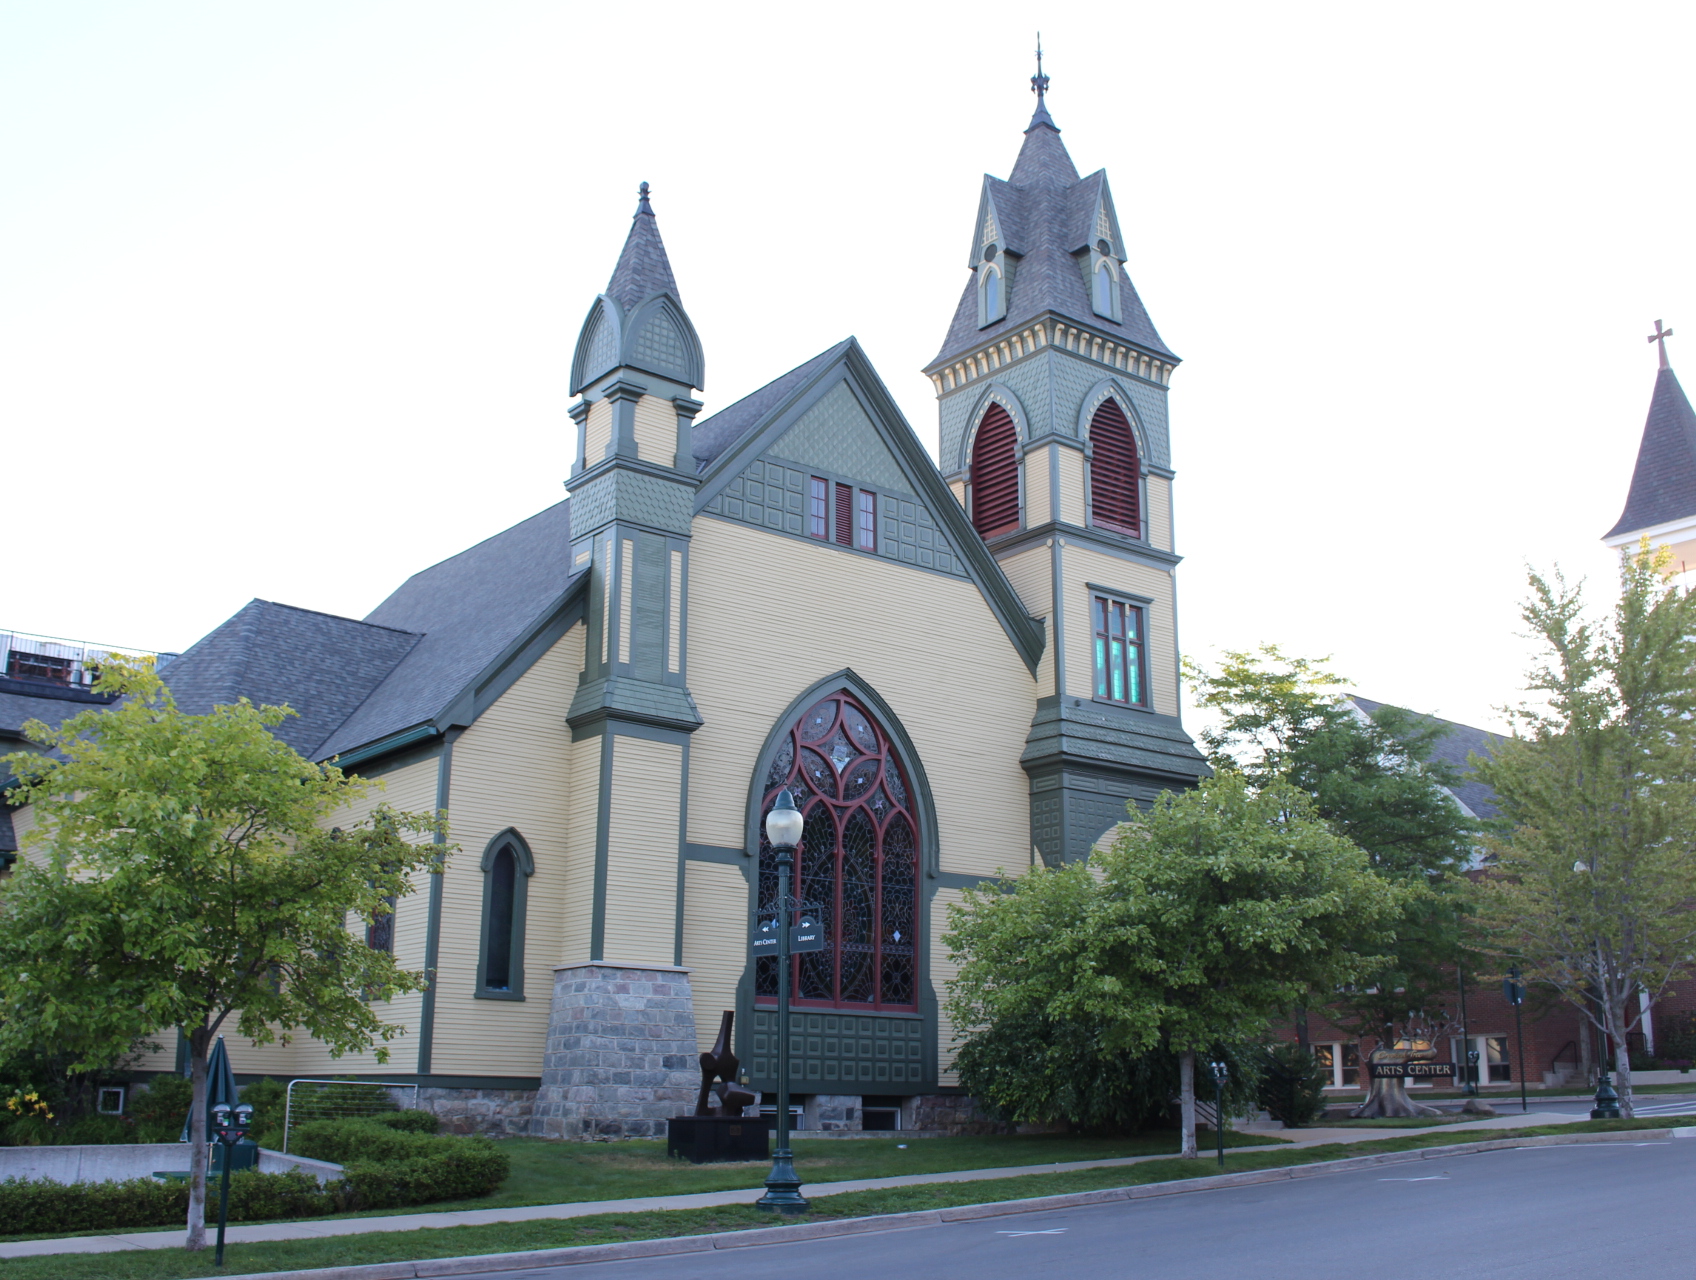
x=231, y=1125
x=784, y=825
x=1220, y=1072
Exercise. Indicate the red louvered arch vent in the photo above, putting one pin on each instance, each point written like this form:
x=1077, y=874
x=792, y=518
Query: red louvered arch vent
x=995, y=474
x=1113, y=471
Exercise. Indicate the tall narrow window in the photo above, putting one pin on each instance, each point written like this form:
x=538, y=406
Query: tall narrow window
x=866, y=534
x=1104, y=290
x=995, y=474
x=1114, y=471
x=1119, y=674
x=818, y=509
x=845, y=514
x=857, y=862
x=991, y=295
x=507, y=867
x=380, y=932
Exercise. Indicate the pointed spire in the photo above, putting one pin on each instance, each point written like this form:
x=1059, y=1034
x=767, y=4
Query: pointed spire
x=1663, y=484
x=1043, y=160
x=643, y=268
x=1039, y=86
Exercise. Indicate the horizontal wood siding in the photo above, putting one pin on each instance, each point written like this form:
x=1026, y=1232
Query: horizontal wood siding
x=411, y=788
x=1080, y=566
x=942, y=971
x=23, y=822
x=715, y=941
x=1038, y=504
x=1159, y=493
x=656, y=431
x=511, y=768
x=644, y=814
x=583, y=798
x=1031, y=571
x=597, y=432
x=1071, y=485
x=928, y=644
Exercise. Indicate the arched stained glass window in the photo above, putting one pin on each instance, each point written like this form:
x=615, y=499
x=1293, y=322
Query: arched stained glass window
x=995, y=473
x=1114, y=473
x=1103, y=290
x=507, y=868
x=857, y=863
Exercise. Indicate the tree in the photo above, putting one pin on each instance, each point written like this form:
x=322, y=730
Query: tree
x=1592, y=890
x=1374, y=781
x=180, y=876
x=1211, y=914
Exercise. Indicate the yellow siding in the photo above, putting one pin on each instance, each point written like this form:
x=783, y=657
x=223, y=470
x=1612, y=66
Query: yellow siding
x=715, y=940
x=1038, y=493
x=1159, y=492
x=597, y=432
x=1031, y=572
x=413, y=788
x=23, y=823
x=656, y=431
x=1071, y=485
x=642, y=849
x=577, y=909
x=909, y=634
x=958, y=489
x=942, y=971
x=511, y=768
x=1080, y=566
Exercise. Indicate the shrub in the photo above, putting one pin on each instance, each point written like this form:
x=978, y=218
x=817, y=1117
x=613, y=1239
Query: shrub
x=97, y=1129
x=386, y=1166
x=1677, y=1036
x=410, y=1121
x=29, y=1206
x=291, y=1194
x=163, y=1104
x=269, y=1100
x=1292, y=1084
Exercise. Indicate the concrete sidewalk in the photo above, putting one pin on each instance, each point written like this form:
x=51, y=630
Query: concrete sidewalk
x=319, y=1228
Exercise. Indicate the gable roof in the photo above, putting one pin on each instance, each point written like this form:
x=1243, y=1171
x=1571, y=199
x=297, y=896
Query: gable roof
x=1452, y=746
x=321, y=665
x=1663, y=484
x=1045, y=213
x=468, y=612
x=754, y=424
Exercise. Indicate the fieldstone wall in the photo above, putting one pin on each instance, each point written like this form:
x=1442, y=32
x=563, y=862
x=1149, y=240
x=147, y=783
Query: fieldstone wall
x=499, y=1113
x=621, y=1053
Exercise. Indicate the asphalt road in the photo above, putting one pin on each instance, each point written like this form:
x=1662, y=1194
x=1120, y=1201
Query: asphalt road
x=1539, y=1213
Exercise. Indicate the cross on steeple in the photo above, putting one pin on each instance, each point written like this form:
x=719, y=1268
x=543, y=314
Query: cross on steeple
x=1039, y=82
x=1661, y=335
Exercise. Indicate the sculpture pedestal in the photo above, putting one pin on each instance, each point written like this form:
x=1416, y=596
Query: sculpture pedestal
x=716, y=1139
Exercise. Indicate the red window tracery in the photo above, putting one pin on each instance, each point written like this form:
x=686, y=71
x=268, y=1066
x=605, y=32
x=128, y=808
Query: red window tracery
x=995, y=473
x=1113, y=471
x=857, y=862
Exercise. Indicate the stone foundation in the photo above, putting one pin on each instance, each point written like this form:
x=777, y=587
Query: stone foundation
x=499, y=1113
x=621, y=1053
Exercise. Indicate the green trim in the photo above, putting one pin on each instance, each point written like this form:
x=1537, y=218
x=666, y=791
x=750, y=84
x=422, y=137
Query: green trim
x=715, y=853
x=509, y=838
x=383, y=746
x=682, y=859
x=603, y=827
x=433, y=927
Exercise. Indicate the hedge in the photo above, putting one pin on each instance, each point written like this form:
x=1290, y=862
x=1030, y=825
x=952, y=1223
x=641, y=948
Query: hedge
x=388, y=1162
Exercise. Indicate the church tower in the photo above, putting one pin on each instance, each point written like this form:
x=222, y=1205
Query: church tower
x=1661, y=504
x=1052, y=385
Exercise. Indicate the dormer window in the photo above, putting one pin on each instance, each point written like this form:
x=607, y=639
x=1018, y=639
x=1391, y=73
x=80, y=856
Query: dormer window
x=992, y=295
x=1105, y=292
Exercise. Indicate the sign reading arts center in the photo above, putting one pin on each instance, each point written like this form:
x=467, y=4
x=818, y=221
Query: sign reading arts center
x=807, y=935
x=1404, y=1070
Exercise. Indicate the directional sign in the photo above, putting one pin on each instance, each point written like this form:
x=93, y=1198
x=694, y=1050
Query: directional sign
x=765, y=937
x=1513, y=992
x=807, y=935
x=1395, y=1070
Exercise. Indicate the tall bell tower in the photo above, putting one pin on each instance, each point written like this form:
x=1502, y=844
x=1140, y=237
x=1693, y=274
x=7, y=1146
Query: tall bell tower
x=1052, y=387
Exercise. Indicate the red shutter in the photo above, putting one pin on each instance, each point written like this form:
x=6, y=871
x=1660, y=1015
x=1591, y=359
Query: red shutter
x=1113, y=471
x=995, y=474
x=845, y=514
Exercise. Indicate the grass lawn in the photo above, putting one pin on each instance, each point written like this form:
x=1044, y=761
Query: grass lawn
x=447, y=1242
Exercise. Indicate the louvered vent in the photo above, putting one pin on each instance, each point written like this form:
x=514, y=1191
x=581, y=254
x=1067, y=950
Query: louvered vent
x=1113, y=471
x=995, y=474
x=845, y=515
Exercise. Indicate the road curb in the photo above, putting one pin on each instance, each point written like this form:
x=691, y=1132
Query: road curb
x=576, y=1255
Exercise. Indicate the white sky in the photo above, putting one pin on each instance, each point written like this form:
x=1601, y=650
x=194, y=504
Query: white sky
x=288, y=291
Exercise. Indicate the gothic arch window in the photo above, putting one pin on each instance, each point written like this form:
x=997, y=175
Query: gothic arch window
x=995, y=473
x=1103, y=293
x=1114, y=472
x=992, y=295
x=507, y=868
x=857, y=863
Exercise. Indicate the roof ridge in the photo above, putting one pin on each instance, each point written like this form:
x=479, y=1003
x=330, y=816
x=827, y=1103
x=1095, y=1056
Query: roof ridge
x=339, y=617
x=535, y=515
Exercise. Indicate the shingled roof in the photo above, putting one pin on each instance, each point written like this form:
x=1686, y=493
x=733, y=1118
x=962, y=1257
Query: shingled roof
x=1663, y=485
x=1044, y=214
x=643, y=268
x=1453, y=745
x=712, y=436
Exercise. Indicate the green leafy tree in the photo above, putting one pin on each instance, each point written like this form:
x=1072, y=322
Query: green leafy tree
x=1374, y=780
x=181, y=874
x=1211, y=914
x=1593, y=888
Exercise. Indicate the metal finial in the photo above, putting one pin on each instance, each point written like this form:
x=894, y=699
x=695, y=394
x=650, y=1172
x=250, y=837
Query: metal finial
x=642, y=206
x=1661, y=335
x=1039, y=82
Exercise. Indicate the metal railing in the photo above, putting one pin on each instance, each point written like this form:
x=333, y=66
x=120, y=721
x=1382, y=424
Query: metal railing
x=343, y=1100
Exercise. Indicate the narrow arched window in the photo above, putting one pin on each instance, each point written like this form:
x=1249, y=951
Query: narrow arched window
x=991, y=295
x=1104, y=290
x=995, y=473
x=857, y=863
x=1114, y=473
x=507, y=867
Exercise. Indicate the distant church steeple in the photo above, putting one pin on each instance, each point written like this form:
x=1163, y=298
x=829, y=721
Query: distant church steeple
x=1661, y=504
